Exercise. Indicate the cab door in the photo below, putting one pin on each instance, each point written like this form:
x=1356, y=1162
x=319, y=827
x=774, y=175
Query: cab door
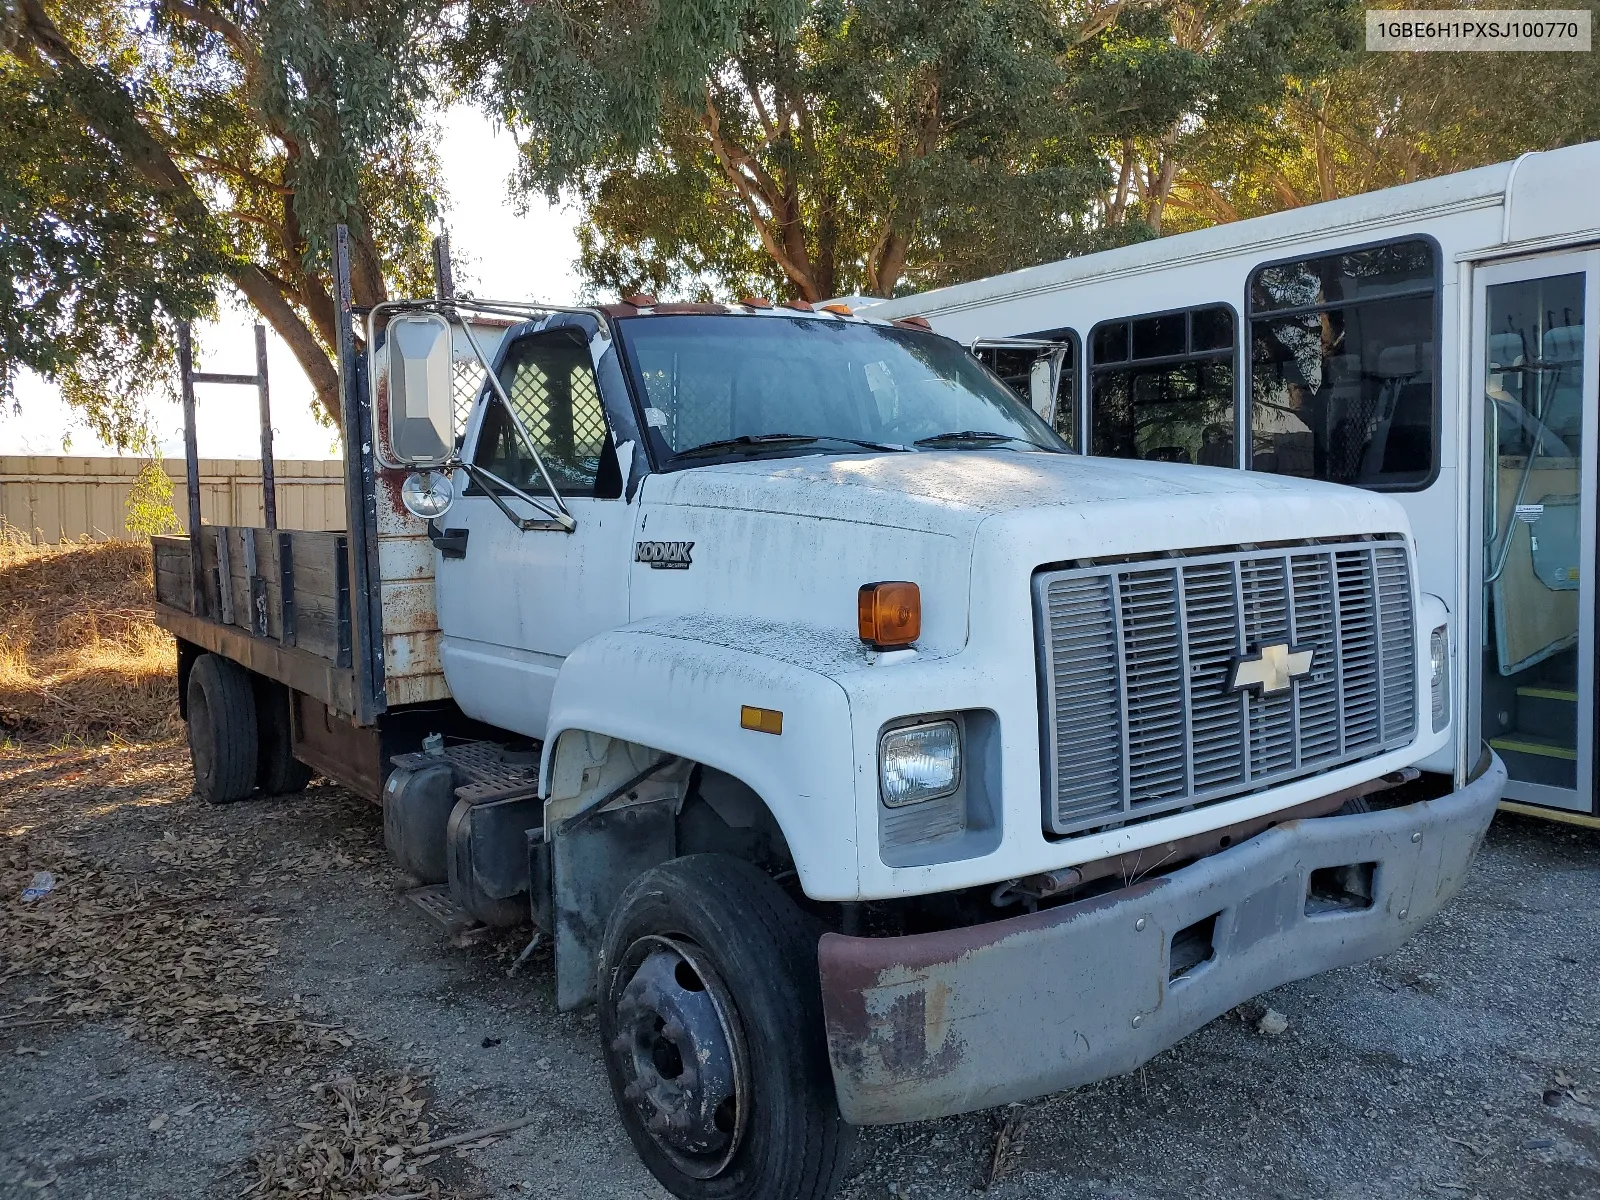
x=519, y=600
x=1536, y=328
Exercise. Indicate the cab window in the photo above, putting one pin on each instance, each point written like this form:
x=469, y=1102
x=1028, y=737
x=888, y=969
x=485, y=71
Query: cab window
x=1015, y=364
x=550, y=381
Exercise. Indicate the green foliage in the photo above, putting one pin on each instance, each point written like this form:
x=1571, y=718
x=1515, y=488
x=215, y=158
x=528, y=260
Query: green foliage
x=1171, y=82
x=153, y=151
x=1367, y=121
x=149, y=504
x=876, y=145
x=808, y=149
x=92, y=262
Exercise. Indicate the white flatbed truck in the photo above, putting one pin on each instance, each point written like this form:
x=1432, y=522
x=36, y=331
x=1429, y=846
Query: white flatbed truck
x=867, y=755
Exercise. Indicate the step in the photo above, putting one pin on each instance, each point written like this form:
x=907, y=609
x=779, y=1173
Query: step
x=485, y=771
x=1537, y=760
x=1548, y=710
x=1527, y=743
x=436, y=901
x=1544, y=693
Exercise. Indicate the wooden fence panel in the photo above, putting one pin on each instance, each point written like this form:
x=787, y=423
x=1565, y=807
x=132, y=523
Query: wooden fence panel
x=62, y=497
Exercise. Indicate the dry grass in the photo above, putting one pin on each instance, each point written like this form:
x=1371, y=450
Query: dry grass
x=80, y=656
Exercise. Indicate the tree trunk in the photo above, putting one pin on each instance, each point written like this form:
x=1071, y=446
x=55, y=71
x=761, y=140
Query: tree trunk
x=1327, y=185
x=1118, y=209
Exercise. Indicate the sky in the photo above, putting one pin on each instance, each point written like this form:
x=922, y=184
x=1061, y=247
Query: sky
x=496, y=254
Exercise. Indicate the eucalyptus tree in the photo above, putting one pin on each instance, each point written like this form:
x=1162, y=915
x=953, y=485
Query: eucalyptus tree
x=1376, y=120
x=808, y=148
x=1171, y=83
x=152, y=148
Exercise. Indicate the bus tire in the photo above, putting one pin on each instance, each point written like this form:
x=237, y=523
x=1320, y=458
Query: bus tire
x=223, y=739
x=711, y=1027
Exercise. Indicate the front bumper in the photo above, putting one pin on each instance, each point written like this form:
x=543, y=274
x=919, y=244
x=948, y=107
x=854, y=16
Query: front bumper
x=941, y=1023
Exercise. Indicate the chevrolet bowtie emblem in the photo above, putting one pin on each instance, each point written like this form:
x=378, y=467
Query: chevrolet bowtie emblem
x=1272, y=669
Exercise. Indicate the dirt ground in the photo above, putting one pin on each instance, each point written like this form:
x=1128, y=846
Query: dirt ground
x=239, y=1002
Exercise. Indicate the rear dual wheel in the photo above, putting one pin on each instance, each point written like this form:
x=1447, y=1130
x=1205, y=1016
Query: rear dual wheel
x=239, y=739
x=711, y=1026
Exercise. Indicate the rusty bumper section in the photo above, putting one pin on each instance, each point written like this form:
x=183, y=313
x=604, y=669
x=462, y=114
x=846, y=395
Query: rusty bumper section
x=943, y=1023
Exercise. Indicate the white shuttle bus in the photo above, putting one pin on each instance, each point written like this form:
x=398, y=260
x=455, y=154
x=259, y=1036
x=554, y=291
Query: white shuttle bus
x=1436, y=341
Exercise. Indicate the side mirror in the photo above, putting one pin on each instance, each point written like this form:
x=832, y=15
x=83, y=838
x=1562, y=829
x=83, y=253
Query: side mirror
x=419, y=370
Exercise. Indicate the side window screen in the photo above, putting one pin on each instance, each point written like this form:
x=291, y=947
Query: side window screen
x=1162, y=387
x=550, y=380
x=1015, y=365
x=1343, y=367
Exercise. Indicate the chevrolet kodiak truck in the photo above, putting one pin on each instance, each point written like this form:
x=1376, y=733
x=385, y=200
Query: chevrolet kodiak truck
x=866, y=755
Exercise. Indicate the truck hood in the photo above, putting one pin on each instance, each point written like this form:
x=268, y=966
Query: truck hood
x=944, y=491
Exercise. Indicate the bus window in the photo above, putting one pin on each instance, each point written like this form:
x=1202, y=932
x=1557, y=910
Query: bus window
x=1015, y=365
x=1162, y=387
x=1343, y=366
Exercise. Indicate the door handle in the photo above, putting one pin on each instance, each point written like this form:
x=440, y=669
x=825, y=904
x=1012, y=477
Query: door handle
x=451, y=543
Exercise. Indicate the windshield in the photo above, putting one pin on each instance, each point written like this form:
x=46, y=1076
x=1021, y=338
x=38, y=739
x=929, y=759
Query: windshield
x=831, y=386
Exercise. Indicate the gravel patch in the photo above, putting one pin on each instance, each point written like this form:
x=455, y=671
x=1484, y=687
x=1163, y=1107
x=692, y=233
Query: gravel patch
x=1465, y=1064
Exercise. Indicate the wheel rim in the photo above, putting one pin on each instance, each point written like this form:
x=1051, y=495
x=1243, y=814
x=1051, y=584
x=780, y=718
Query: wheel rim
x=201, y=735
x=680, y=1052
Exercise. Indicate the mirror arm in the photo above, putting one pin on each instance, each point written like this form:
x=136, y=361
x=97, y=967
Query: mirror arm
x=489, y=482
x=563, y=518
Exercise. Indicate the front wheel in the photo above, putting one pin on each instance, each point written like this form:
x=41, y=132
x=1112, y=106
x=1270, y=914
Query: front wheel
x=711, y=1026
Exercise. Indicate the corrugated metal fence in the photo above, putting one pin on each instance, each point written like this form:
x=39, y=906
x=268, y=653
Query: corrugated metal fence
x=61, y=498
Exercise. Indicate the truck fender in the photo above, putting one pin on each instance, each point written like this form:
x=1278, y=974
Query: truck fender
x=684, y=697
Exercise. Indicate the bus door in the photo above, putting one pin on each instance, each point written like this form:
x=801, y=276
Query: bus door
x=1531, y=647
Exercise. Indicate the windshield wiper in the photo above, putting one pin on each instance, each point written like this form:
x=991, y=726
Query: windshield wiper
x=780, y=441
x=972, y=437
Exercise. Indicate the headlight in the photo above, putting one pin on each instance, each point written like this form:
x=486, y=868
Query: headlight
x=919, y=762
x=1439, y=660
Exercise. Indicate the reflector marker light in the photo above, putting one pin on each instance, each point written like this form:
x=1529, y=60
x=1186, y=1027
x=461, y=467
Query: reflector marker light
x=762, y=720
x=889, y=615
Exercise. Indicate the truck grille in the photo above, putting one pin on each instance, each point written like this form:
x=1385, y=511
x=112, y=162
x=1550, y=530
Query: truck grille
x=1137, y=661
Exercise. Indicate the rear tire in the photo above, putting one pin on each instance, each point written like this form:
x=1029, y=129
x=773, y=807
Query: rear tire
x=706, y=961
x=278, y=771
x=223, y=738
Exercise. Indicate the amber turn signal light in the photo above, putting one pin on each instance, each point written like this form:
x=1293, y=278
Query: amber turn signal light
x=889, y=615
x=762, y=720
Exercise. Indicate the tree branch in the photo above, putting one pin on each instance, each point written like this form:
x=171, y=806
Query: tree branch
x=230, y=32
x=108, y=111
x=781, y=248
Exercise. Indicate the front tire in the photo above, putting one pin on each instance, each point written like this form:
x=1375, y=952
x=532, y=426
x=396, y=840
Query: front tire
x=711, y=1026
x=222, y=730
